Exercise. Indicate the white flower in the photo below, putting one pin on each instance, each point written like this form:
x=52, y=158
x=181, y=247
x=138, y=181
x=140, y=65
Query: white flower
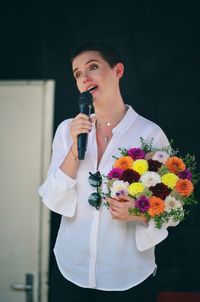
x=172, y=203
x=150, y=179
x=119, y=187
x=160, y=156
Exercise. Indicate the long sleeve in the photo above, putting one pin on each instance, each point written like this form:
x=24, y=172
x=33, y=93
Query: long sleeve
x=149, y=236
x=58, y=192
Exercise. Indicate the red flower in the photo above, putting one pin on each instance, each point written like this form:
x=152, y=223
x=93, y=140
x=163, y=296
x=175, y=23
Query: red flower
x=160, y=190
x=130, y=175
x=154, y=165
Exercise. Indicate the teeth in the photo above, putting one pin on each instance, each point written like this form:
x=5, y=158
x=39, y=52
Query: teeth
x=93, y=87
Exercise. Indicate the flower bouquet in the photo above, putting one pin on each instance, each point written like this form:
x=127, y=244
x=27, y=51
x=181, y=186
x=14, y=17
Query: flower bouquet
x=160, y=182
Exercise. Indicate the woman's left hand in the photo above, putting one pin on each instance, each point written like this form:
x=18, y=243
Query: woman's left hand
x=118, y=208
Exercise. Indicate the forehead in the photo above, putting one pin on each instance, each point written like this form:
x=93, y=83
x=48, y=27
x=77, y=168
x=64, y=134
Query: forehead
x=85, y=57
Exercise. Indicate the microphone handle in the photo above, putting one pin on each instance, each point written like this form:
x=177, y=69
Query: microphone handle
x=83, y=137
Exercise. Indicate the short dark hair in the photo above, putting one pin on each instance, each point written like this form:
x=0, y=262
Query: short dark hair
x=107, y=52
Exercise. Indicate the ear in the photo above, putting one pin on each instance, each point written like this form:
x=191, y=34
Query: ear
x=119, y=70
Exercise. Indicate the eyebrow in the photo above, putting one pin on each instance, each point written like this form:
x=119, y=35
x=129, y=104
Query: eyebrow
x=92, y=60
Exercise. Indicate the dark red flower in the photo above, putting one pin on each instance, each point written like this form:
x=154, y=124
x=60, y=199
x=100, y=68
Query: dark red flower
x=160, y=190
x=154, y=165
x=130, y=175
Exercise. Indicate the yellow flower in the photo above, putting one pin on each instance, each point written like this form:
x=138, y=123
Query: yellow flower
x=135, y=188
x=170, y=180
x=140, y=166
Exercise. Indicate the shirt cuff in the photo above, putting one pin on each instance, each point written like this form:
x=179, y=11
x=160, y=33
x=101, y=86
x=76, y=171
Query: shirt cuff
x=148, y=236
x=64, y=179
x=59, y=194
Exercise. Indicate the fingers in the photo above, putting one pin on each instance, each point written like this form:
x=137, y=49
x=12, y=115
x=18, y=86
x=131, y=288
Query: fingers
x=120, y=211
x=119, y=207
x=80, y=124
x=113, y=203
x=121, y=201
x=116, y=208
x=82, y=116
x=115, y=215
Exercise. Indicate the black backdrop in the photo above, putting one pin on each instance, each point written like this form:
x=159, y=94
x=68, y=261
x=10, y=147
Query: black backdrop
x=160, y=46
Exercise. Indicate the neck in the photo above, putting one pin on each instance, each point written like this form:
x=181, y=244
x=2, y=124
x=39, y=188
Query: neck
x=106, y=119
x=110, y=114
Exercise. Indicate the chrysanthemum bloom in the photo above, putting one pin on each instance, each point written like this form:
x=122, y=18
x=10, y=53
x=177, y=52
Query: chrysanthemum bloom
x=157, y=206
x=175, y=164
x=150, y=179
x=140, y=166
x=124, y=163
x=119, y=187
x=130, y=175
x=115, y=173
x=160, y=156
x=185, y=174
x=160, y=190
x=142, y=203
x=170, y=180
x=154, y=165
x=171, y=203
x=149, y=155
x=136, y=153
x=135, y=188
x=184, y=187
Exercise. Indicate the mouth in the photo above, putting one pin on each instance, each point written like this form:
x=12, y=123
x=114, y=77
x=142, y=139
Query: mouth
x=91, y=89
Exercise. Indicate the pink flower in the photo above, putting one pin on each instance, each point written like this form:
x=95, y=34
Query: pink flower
x=115, y=173
x=136, y=153
x=142, y=203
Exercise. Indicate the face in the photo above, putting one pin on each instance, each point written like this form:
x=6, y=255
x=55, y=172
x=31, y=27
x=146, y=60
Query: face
x=92, y=71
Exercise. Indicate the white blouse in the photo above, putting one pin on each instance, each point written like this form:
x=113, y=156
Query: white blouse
x=92, y=249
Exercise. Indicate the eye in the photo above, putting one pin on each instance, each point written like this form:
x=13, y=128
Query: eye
x=94, y=66
x=77, y=75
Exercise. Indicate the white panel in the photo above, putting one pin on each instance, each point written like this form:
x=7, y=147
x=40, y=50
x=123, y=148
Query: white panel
x=24, y=119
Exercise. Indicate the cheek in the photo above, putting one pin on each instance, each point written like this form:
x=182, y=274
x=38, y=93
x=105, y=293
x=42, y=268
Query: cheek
x=79, y=86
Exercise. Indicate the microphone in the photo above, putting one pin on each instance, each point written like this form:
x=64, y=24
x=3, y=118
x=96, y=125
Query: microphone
x=85, y=106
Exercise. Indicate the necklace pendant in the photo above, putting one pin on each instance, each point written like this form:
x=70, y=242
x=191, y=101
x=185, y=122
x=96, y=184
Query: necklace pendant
x=106, y=139
x=108, y=124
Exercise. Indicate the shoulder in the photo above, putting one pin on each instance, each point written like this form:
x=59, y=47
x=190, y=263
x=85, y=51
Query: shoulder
x=149, y=129
x=142, y=122
x=155, y=132
x=139, y=119
x=62, y=134
x=146, y=122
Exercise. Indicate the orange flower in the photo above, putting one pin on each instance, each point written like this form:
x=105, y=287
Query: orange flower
x=175, y=164
x=157, y=206
x=184, y=187
x=124, y=163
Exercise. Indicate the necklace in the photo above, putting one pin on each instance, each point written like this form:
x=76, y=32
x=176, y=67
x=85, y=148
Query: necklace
x=105, y=129
x=114, y=122
x=105, y=134
x=107, y=139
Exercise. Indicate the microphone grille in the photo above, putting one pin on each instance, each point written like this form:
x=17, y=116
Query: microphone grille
x=85, y=98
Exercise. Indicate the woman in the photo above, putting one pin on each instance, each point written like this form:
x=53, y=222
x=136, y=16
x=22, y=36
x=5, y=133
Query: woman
x=102, y=254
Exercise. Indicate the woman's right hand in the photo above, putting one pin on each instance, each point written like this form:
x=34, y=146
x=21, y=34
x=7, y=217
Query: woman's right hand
x=80, y=124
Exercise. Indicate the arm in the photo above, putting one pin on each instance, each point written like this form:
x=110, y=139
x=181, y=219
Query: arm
x=58, y=192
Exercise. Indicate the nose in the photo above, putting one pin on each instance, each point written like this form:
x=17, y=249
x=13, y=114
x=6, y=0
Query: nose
x=87, y=79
